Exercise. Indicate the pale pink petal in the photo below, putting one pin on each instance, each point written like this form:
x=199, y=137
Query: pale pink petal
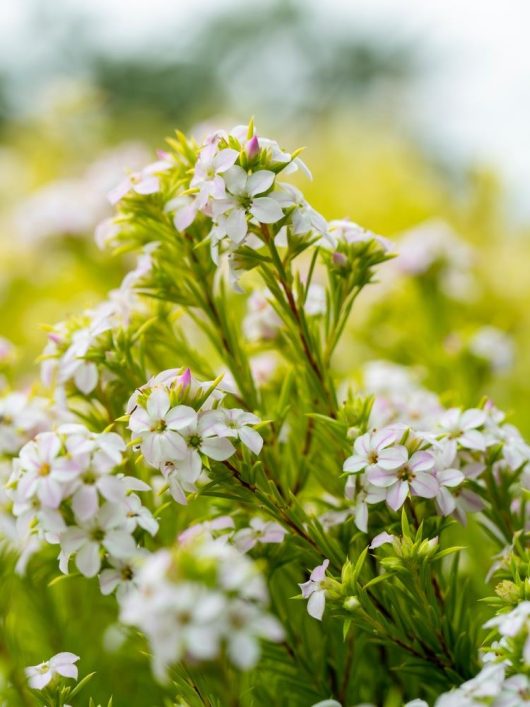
x=383, y=438
x=381, y=539
x=425, y=485
x=392, y=457
x=421, y=461
x=381, y=477
x=397, y=495
x=85, y=502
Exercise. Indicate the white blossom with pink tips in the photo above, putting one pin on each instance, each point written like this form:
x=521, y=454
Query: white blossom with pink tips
x=414, y=476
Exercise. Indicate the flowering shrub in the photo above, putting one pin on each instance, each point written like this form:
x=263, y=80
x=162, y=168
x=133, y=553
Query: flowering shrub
x=270, y=533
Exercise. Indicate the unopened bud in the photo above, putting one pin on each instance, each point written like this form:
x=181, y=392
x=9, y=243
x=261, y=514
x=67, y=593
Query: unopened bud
x=252, y=147
x=339, y=259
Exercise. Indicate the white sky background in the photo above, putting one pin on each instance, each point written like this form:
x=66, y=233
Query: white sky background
x=474, y=101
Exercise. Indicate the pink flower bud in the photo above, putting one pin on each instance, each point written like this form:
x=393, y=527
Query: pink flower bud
x=339, y=259
x=163, y=155
x=252, y=147
x=185, y=378
x=56, y=338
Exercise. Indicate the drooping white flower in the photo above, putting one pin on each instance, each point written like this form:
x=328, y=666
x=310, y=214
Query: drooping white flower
x=62, y=664
x=314, y=591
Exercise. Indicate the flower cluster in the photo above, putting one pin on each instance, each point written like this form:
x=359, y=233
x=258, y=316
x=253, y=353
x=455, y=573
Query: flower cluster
x=178, y=422
x=67, y=354
x=514, y=629
x=67, y=487
x=199, y=599
x=445, y=462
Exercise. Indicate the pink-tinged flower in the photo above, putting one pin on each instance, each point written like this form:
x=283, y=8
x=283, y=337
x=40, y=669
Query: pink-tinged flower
x=374, y=449
x=184, y=209
x=447, y=476
x=381, y=539
x=260, y=531
x=466, y=501
x=61, y=664
x=236, y=424
x=145, y=181
x=242, y=200
x=414, y=475
x=462, y=427
x=42, y=470
x=314, y=591
x=157, y=426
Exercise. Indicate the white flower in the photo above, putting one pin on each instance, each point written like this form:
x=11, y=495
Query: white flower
x=200, y=436
x=21, y=418
x=515, y=692
x=260, y=531
x=42, y=470
x=145, y=181
x=121, y=576
x=106, y=531
x=157, y=426
x=210, y=164
x=137, y=515
x=61, y=664
x=514, y=623
x=314, y=591
x=414, y=474
x=236, y=424
x=246, y=624
x=462, y=427
x=447, y=476
x=487, y=684
x=374, y=449
x=230, y=212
